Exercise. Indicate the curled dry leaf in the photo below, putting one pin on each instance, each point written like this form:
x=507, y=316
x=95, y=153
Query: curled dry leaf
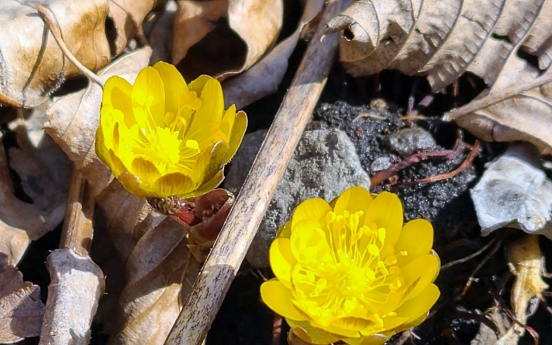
x=443, y=39
x=31, y=63
x=223, y=37
x=527, y=264
x=39, y=206
x=21, y=309
x=264, y=77
x=160, y=272
x=127, y=16
x=74, y=118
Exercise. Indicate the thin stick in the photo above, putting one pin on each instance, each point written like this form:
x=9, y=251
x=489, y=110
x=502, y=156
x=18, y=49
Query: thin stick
x=231, y=246
x=50, y=19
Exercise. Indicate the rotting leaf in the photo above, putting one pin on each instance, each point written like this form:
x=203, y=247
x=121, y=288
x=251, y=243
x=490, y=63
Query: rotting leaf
x=443, y=39
x=31, y=64
x=160, y=272
x=21, y=309
x=264, y=77
x=223, y=37
x=74, y=118
x=39, y=176
x=127, y=16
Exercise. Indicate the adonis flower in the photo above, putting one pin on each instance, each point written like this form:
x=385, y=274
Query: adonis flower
x=162, y=137
x=350, y=271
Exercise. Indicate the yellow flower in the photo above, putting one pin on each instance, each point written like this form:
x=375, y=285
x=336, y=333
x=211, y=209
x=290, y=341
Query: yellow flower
x=350, y=271
x=162, y=137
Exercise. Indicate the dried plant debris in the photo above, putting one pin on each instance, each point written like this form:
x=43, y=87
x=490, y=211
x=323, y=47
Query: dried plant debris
x=21, y=309
x=33, y=191
x=31, y=64
x=514, y=192
x=225, y=27
x=444, y=39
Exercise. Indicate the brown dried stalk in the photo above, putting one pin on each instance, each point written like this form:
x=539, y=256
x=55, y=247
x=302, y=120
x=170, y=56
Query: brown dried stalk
x=231, y=246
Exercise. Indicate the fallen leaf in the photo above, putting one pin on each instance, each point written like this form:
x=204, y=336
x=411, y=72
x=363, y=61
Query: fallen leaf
x=159, y=31
x=527, y=264
x=223, y=37
x=264, y=77
x=444, y=39
x=127, y=16
x=42, y=190
x=21, y=309
x=74, y=118
x=31, y=63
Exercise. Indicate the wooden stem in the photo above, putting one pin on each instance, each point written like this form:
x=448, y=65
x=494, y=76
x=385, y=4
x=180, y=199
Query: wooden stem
x=231, y=246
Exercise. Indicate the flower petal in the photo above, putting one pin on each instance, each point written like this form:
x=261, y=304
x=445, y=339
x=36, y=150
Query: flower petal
x=236, y=136
x=310, y=334
x=148, y=99
x=207, y=186
x=198, y=84
x=353, y=199
x=132, y=184
x=146, y=170
x=416, y=239
x=308, y=241
x=419, y=306
x=172, y=184
x=175, y=86
x=372, y=339
x=419, y=273
x=117, y=95
x=313, y=209
x=206, y=120
x=282, y=260
x=386, y=212
x=278, y=298
x=284, y=231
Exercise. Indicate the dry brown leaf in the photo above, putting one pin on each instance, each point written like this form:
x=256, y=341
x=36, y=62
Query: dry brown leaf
x=160, y=274
x=159, y=31
x=443, y=39
x=223, y=37
x=21, y=309
x=264, y=77
x=74, y=118
x=40, y=207
x=527, y=264
x=31, y=63
x=127, y=16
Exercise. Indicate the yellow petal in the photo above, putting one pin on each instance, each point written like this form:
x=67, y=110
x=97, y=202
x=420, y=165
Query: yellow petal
x=416, y=239
x=313, y=209
x=215, y=160
x=146, y=170
x=373, y=339
x=386, y=212
x=207, y=186
x=172, y=184
x=308, y=241
x=100, y=147
x=353, y=199
x=148, y=99
x=117, y=95
x=133, y=184
x=175, y=86
x=419, y=306
x=310, y=334
x=210, y=113
x=421, y=272
x=117, y=166
x=198, y=84
x=278, y=298
x=236, y=136
x=282, y=260
x=284, y=231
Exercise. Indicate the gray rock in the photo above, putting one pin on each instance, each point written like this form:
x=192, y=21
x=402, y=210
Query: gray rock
x=409, y=140
x=380, y=163
x=514, y=192
x=324, y=164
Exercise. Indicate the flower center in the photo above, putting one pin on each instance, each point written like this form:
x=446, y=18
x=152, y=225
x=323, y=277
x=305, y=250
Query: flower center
x=164, y=146
x=355, y=280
